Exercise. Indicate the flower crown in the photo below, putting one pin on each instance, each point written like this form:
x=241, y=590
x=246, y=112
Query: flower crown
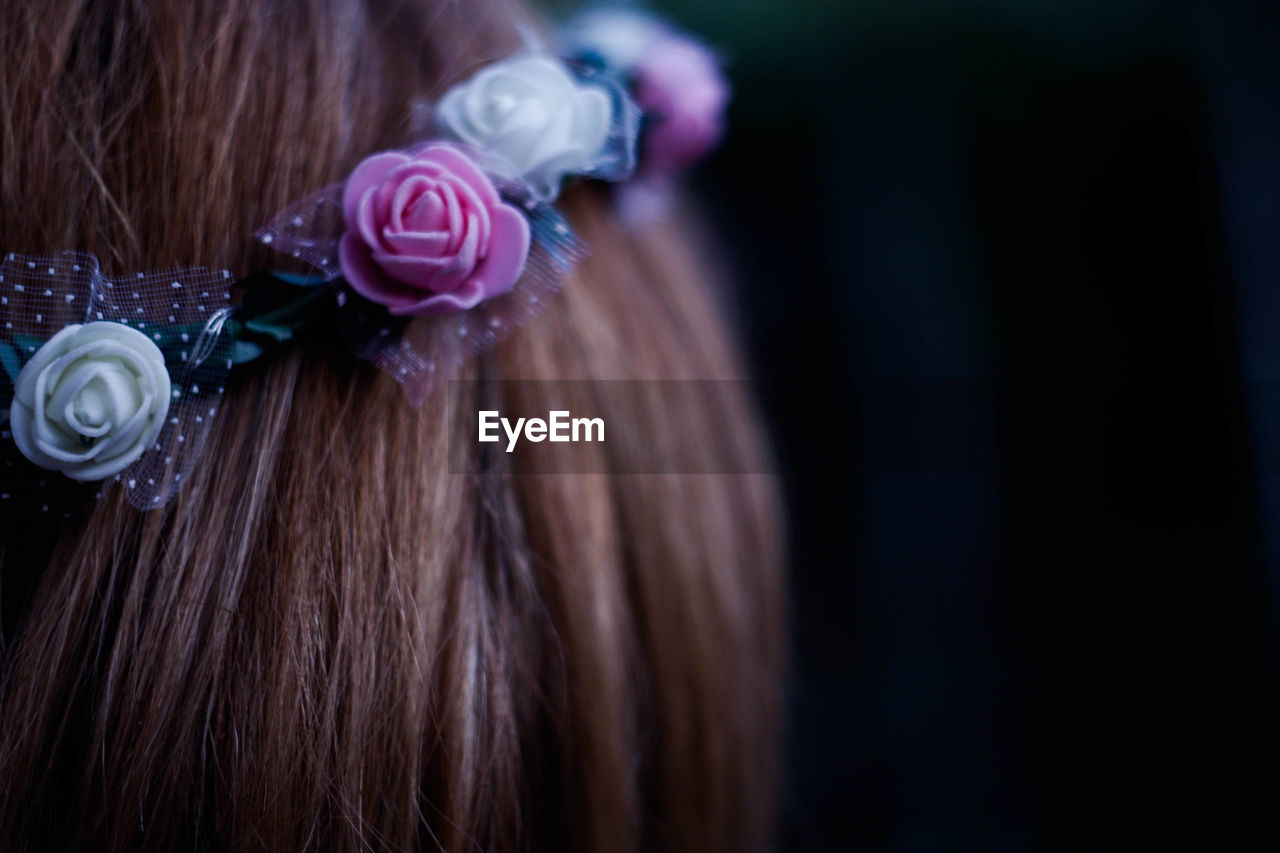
x=424, y=256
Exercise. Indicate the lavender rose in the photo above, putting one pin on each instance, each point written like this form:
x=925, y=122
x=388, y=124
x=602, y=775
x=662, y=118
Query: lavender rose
x=428, y=234
x=682, y=91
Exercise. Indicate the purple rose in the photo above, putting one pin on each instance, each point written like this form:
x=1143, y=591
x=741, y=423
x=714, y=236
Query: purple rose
x=683, y=94
x=428, y=234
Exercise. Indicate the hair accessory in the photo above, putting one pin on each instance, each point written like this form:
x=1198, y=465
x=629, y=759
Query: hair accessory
x=91, y=400
x=108, y=377
x=427, y=233
x=434, y=266
x=677, y=82
x=535, y=121
x=422, y=258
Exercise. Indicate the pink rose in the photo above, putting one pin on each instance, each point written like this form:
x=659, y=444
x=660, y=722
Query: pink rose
x=428, y=234
x=682, y=92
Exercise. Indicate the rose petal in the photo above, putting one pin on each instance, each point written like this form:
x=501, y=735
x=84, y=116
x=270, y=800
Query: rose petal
x=430, y=244
x=367, y=280
x=464, y=261
x=127, y=434
x=426, y=215
x=90, y=411
x=457, y=216
x=366, y=177
x=21, y=421
x=508, y=252
x=115, y=396
x=431, y=274
x=465, y=169
x=470, y=106
x=556, y=136
x=512, y=148
x=25, y=388
x=466, y=297
x=471, y=206
x=367, y=219
x=407, y=195
x=594, y=115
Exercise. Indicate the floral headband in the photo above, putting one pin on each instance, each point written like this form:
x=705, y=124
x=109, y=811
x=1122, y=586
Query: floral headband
x=424, y=257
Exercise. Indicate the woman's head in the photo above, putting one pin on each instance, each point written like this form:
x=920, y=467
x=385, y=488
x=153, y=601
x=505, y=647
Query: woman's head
x=329, y=640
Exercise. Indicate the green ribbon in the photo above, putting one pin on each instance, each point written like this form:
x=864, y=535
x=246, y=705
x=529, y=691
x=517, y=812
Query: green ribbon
x=278, y=307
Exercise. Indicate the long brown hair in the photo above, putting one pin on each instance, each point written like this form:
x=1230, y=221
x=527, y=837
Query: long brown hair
x=328, y=641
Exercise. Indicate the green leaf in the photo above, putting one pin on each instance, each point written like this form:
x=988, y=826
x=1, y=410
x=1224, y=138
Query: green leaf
x=11, y=360
x=277, y=308
x=300, y=280
x=28, y=345
x=243, y=351
x=282, y=322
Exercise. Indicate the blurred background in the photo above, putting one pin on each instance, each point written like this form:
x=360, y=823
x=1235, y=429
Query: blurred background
x=1010, y=276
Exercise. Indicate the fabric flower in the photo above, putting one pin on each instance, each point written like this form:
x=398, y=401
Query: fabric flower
x=90, y=401
x=428, y=234
x=679, y=86
x=530, y=120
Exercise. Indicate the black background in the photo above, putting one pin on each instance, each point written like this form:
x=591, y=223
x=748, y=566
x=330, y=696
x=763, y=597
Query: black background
x=1011, y=270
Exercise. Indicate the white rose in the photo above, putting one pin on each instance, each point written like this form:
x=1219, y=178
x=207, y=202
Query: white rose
x=90, y=401
x=530, y=120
